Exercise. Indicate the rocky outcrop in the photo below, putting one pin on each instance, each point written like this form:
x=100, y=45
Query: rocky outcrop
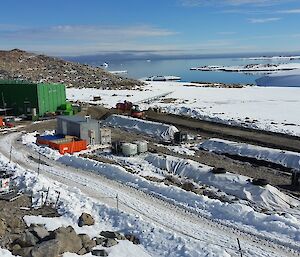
x=21, y=65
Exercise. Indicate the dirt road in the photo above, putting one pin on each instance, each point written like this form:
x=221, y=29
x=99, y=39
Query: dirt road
x=212, y=129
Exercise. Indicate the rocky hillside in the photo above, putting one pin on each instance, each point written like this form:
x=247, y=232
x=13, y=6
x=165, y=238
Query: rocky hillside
x=18, y=64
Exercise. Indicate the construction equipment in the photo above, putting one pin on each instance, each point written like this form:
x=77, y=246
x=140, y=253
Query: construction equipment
x=6, y=123
x=132, y=109
x=136, y=112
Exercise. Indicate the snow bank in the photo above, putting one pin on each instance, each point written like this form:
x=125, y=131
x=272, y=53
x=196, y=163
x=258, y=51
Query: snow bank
x=237, y=185
x=285, y=158
x=281, y=79
x=246, y=216
x=5, y=253
x=155, y=129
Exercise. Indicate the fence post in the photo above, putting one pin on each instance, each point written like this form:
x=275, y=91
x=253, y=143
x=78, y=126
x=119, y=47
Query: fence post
x=39, y=163
x=10, y=151
x=117, y=196
x=45, y=203
x=239, y=245
x=57, y=199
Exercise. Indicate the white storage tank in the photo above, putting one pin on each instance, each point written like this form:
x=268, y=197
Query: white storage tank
x=129, y=149
x=142, y=146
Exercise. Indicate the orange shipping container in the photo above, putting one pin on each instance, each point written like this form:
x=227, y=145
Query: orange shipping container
x=69, y=147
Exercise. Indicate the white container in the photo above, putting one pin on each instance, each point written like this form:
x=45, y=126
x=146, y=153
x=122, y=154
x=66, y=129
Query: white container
x=129, y=149
x=142, y=146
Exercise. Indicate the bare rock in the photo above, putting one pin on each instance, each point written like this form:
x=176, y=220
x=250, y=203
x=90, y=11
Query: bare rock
x=86, y=220
x=15, y=248
x=99, y=253
x=188, y=186
x=26, y=239
x=109, y=242
x=69, y=241
x=132, y=238
x=100, y=240
x=112, y=234
x=40, y=232
x=82, y=251
x=3, y=227
x=87, y=243
x=48, y=248
x=24, y=252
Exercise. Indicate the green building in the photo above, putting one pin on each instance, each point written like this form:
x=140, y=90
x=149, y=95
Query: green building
x=31, y=99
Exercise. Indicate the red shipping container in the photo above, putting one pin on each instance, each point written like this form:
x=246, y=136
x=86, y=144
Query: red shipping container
x=69, y=147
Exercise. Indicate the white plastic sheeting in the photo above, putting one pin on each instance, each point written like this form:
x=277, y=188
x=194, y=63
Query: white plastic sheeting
x=287, y=79
x=155, y=129
x=232, y=184
x=285, y=158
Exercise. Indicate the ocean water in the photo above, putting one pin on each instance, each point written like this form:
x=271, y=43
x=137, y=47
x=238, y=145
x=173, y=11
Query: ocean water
x=181, y=67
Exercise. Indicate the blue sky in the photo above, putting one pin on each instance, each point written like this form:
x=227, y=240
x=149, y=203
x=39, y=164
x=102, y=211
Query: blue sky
x=79, y=27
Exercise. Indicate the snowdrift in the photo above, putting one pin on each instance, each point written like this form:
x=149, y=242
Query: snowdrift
x=285, y=158
x=233, y=184
x=155, y=129
x=288, y=79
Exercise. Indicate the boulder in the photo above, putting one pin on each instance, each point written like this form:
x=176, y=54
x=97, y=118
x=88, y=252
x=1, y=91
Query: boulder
x=69, y=241
x=132, y=238
x=48, y=248
x=26, y=239
x=40, y=232
x=112, y=234
x=86, y=220
x=99, y=253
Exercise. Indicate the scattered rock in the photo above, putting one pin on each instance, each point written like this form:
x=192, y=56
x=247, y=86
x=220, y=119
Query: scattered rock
x=109, y=242
x=132, y=238
x=86, y=220
x=112, y=234
x=99, y=253
x=188, y=186
x=100, y=240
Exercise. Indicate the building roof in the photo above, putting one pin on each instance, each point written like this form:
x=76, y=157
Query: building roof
x=77, y=119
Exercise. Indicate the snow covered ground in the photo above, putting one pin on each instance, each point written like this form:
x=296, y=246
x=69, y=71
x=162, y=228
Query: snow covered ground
x=266, y=108
x=276, y=225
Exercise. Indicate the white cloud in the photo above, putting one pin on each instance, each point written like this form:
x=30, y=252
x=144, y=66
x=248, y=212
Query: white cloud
x=194, y=3
x=83, y=33
x=263, y=20
x=291, y=11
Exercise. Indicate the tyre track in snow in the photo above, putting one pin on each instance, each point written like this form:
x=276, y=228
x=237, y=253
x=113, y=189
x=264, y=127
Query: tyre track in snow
x=170, y=217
